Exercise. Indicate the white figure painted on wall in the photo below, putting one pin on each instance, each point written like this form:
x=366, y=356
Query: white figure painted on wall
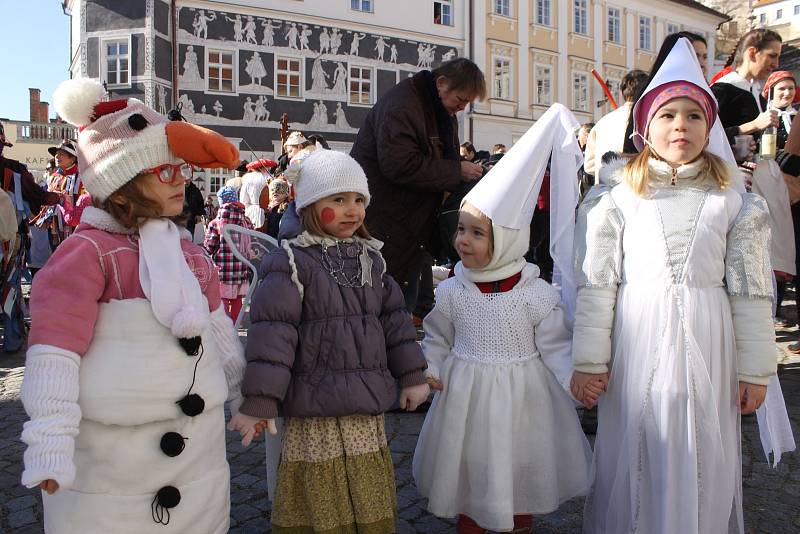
x=340, y=79
x=200, y=23
x=425, y=55
x=336, y=40
x=269, y=32
x=261, y=111
x=291, y=35
x=393, y=54
x=186, y=104
x=354, y=45
x=323, y=114
x=341, y=120
x=324, y=41
x=217, y=107
x=191, y=72
x=254, y=67
x=161, y=91
x=304, y=35
x=203, y=109
x=450, y=54
x=249, y=111
x=238, y=30
x=380, y=46
x=319, y=78
x=314, y=121
x=250, y=30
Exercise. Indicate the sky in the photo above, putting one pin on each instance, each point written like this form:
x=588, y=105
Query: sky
x=34, y=52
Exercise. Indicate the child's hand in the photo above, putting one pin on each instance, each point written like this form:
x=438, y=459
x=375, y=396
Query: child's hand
x=250, y=427
x=578, y=387
x=435, y=384
x=413, y=396
x=49, y=485
x=751, y=397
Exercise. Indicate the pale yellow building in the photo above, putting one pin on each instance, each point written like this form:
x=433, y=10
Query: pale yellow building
x=537, y=52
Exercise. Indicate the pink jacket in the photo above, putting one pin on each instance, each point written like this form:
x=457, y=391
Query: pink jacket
x=91, y=267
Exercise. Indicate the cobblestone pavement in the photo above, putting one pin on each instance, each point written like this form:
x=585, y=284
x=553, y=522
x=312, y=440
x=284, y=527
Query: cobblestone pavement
x=770, y=495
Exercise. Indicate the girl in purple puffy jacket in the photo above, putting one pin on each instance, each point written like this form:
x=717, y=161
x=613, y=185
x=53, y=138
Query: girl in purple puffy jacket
x=329, y=342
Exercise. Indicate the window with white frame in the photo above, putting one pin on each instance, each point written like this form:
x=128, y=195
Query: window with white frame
x=360, y=85
x=287, y=77
x=116, y=62
x=501, y=74
x=797, y=9
x=762, y=18
x=220, y=69
x=502, y=7
x=543, y=75
x=216, y=179
x=672, y=28
x=614, y=25
x=580, y=91
x=543, y=12
x=443, y=12
x=779, y=14
x=361, y=5
x=581, y=19
x=614, y=89
x=645, y=32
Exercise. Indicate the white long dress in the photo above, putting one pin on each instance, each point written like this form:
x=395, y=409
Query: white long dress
x=503, y=437
x=667, y=451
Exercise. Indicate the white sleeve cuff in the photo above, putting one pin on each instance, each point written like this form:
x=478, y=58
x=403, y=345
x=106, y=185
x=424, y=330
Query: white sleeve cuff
x=231, y=352
x=594, y=320
x=755, y=339
x=50, y=397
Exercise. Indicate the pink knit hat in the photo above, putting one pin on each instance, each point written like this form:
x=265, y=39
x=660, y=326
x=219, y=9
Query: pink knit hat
x=653, y=100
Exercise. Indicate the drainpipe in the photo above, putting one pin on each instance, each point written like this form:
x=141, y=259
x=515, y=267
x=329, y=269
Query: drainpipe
x=471, y=44
x=173, y=15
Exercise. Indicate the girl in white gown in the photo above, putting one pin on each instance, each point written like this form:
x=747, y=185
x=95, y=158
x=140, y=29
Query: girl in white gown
x=675, y=301
x=501, y=440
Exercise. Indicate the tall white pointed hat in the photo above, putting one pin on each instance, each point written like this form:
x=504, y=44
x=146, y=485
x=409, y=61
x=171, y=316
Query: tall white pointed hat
x=681, y=65
x=509, y=192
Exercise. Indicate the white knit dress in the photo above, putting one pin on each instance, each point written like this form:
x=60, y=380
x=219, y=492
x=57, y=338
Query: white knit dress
x=503, y=437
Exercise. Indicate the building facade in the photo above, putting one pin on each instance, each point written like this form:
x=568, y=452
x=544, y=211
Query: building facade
x=238, y=66
x=536, y=52
x=782, y=16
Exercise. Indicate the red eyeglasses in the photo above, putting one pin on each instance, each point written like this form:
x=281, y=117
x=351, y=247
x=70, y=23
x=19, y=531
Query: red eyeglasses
x=167, y=172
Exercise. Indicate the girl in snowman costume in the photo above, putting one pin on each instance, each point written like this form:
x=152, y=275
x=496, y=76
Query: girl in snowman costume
x=131, y=359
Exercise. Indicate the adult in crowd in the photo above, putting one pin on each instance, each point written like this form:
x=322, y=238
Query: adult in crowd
x=742, y=110
x=467, y=151
x=784, y=97
x=66, y=158
x=608, y=135
x=409, y=148
x=294, y=144
x=789, y=160
x=27, y=198
x=193, y=206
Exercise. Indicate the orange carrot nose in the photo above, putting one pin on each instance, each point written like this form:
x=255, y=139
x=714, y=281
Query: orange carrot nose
x=200, y=146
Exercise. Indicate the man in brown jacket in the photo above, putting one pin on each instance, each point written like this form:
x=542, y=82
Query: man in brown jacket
x=409, y=150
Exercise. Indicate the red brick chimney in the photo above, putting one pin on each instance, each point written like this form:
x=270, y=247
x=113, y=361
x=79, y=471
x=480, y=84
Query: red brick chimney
x=39, y=110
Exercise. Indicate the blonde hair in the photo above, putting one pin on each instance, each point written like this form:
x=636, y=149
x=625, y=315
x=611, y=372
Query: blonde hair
x=312, y=224
x=468, y=208
x=636, y=172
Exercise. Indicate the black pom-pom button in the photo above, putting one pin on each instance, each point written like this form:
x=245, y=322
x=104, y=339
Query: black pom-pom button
x=191, y=345
x=137, y=122
x=168, y=497
x=172, y=444
x=192, y=404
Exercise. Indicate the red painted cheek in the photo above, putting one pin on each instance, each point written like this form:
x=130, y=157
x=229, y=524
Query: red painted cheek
x=327, y=215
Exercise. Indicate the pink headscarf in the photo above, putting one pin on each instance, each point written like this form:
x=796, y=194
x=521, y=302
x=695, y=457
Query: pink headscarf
x=656, y=98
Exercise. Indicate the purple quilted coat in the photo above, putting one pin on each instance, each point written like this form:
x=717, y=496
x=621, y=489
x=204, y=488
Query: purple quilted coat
x=337, y=351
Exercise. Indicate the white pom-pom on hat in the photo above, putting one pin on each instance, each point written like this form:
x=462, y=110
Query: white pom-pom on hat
x=75, y=100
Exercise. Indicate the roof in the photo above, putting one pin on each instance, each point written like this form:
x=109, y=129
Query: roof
x=762, y=3
x=705, y=9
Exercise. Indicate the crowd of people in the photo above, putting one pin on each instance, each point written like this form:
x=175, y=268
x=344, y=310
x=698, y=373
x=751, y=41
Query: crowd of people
x=625, y=265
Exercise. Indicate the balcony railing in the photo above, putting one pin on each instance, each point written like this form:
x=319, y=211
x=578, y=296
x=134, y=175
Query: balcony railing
x=44, y=132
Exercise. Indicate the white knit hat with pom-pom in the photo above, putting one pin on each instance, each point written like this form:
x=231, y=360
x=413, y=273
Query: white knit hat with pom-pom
x=327, y=172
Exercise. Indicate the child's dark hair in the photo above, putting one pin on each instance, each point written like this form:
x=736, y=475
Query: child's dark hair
x=130, y=205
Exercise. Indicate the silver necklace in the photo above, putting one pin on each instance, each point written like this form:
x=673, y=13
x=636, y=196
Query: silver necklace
x=335, y=264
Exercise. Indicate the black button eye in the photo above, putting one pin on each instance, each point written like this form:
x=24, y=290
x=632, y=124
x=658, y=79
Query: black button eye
x=191, y=345
x=192, y=404
x=137, y=122
x=172, y=444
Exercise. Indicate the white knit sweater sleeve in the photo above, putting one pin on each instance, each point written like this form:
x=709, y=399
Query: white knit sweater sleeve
x=231, y=355
x=439, y=333
x=50, y=397
x=553, y=339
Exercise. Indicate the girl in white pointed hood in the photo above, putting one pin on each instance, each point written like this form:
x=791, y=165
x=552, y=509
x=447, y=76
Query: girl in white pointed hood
x=674, y=300
x=501, y=440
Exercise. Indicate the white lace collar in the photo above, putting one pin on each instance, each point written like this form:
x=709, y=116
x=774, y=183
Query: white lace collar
x=691, y=173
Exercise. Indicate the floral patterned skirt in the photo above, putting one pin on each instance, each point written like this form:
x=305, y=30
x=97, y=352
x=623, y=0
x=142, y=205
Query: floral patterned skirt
x=335, y=477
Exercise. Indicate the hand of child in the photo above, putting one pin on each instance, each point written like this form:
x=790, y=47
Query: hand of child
x=751, y=397
x=250, y=427
x=413, y=396
x=435, y=384
x=49, y=485
x=588, y=396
